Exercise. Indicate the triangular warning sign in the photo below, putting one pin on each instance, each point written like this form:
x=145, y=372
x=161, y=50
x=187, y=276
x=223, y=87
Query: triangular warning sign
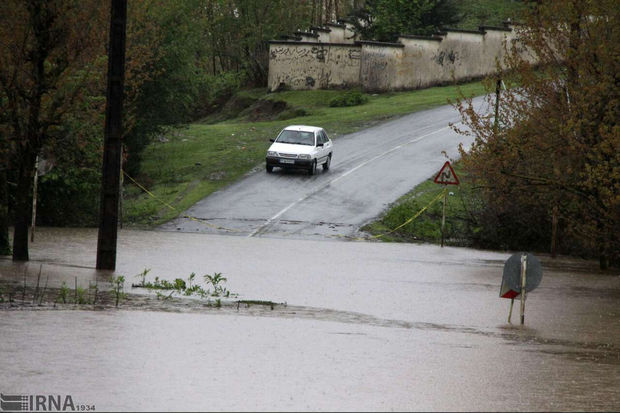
x=447, y=176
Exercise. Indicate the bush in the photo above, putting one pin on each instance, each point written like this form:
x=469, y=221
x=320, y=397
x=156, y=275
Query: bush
x=350, y=98
x=292, y=113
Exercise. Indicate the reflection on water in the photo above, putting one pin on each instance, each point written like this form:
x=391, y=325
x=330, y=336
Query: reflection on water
x=368, y=326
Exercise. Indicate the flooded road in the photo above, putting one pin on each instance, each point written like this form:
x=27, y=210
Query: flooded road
x=370, y=326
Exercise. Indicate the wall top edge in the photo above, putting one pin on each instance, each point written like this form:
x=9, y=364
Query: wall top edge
x=498, y=28
x=294, y=43
x=449, y=29
x=320, y=29
x=339, y=25
x=309, y=34
x=385, y=44
x=418, y=37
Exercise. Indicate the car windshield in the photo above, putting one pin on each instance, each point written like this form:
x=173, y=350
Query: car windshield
x=296, y=137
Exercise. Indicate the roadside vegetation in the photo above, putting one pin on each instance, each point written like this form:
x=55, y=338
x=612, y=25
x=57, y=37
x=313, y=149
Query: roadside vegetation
x=461, y=226
x=469, y=223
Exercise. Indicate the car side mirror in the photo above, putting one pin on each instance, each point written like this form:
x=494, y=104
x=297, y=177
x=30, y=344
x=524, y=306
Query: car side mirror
x=272, y=140
x=319, y=144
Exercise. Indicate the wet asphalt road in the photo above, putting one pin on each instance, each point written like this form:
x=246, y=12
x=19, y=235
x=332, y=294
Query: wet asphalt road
x=370, y=169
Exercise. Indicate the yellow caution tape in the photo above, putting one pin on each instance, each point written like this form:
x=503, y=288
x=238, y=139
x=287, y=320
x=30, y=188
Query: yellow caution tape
x=200, y=220
x=420, y=212
x=417, y=214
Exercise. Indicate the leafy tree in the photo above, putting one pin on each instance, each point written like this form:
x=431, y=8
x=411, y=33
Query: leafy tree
x=384, y=20
x=45, y=54
x=52, y=87
x=555, y=146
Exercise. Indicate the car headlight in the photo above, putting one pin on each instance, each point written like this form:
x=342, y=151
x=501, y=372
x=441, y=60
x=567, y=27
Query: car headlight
x=272, y=153
x=304, y=156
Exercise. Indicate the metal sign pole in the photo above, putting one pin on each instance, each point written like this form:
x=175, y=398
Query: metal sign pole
x=443, y=217
x=523, y=281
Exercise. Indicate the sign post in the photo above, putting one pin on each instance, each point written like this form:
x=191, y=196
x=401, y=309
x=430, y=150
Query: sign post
x=522, y=274
x=523, y=282
x=446, y=176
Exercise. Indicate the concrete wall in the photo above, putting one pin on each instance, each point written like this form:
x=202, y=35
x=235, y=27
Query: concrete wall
x=414, y=62
x=299, y=65
x=380, y=65
x=420, y=59
x=323, y=34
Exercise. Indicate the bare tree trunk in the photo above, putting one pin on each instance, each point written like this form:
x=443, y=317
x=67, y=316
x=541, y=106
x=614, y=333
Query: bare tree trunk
x=5, y=247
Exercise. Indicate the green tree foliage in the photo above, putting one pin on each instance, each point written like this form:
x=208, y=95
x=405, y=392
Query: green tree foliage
x=165, y=82
x=556, y=143
x=384, y=20
x=475, y=13
x=45, y=57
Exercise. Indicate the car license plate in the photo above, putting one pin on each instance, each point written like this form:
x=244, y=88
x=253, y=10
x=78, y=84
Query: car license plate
x=291, y=161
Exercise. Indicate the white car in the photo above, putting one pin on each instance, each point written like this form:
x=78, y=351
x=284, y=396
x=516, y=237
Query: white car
x=300, y=147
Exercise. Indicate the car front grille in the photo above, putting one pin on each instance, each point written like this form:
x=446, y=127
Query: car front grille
x=287, y=155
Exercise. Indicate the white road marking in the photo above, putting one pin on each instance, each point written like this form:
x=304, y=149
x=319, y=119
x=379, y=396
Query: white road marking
x=350, y=171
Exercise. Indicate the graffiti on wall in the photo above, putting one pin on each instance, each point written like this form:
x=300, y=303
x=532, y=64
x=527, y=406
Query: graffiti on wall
x=446, y=56
x=311, y=66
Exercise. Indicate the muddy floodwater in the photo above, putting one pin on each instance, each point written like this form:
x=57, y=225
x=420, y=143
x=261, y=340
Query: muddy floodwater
x=367, y=326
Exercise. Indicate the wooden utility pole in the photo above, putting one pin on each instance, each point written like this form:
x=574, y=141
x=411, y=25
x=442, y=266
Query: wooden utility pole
x=35, y=185
x=110, y=179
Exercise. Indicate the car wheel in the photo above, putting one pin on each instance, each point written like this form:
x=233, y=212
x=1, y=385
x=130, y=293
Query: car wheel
x=312, y=169
x=269, y=169
x=327, y=163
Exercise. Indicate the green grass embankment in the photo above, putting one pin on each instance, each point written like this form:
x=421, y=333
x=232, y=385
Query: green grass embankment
x=190, y=163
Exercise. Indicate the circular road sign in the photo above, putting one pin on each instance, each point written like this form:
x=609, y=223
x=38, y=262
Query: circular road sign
x=511, y=279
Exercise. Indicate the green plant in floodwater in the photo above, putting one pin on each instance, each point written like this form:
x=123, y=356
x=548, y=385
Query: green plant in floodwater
x=218, y=303
x=63, y=293
x=162, y=296
x=180, y=285
x=95, y=290
x=215, y=280
x=142, y=277
x=118, y=286
x=189, y=287
x=81, y=296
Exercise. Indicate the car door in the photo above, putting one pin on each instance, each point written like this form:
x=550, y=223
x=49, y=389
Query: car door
x=320, y=139
x=327, y=144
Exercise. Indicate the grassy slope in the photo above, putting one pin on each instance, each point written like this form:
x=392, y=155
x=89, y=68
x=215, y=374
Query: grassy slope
x=201, y=159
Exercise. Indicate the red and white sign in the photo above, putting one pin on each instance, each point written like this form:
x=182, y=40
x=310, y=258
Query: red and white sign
x=447, y=176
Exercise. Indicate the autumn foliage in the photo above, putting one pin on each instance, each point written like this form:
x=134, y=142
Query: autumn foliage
x=553, y=151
